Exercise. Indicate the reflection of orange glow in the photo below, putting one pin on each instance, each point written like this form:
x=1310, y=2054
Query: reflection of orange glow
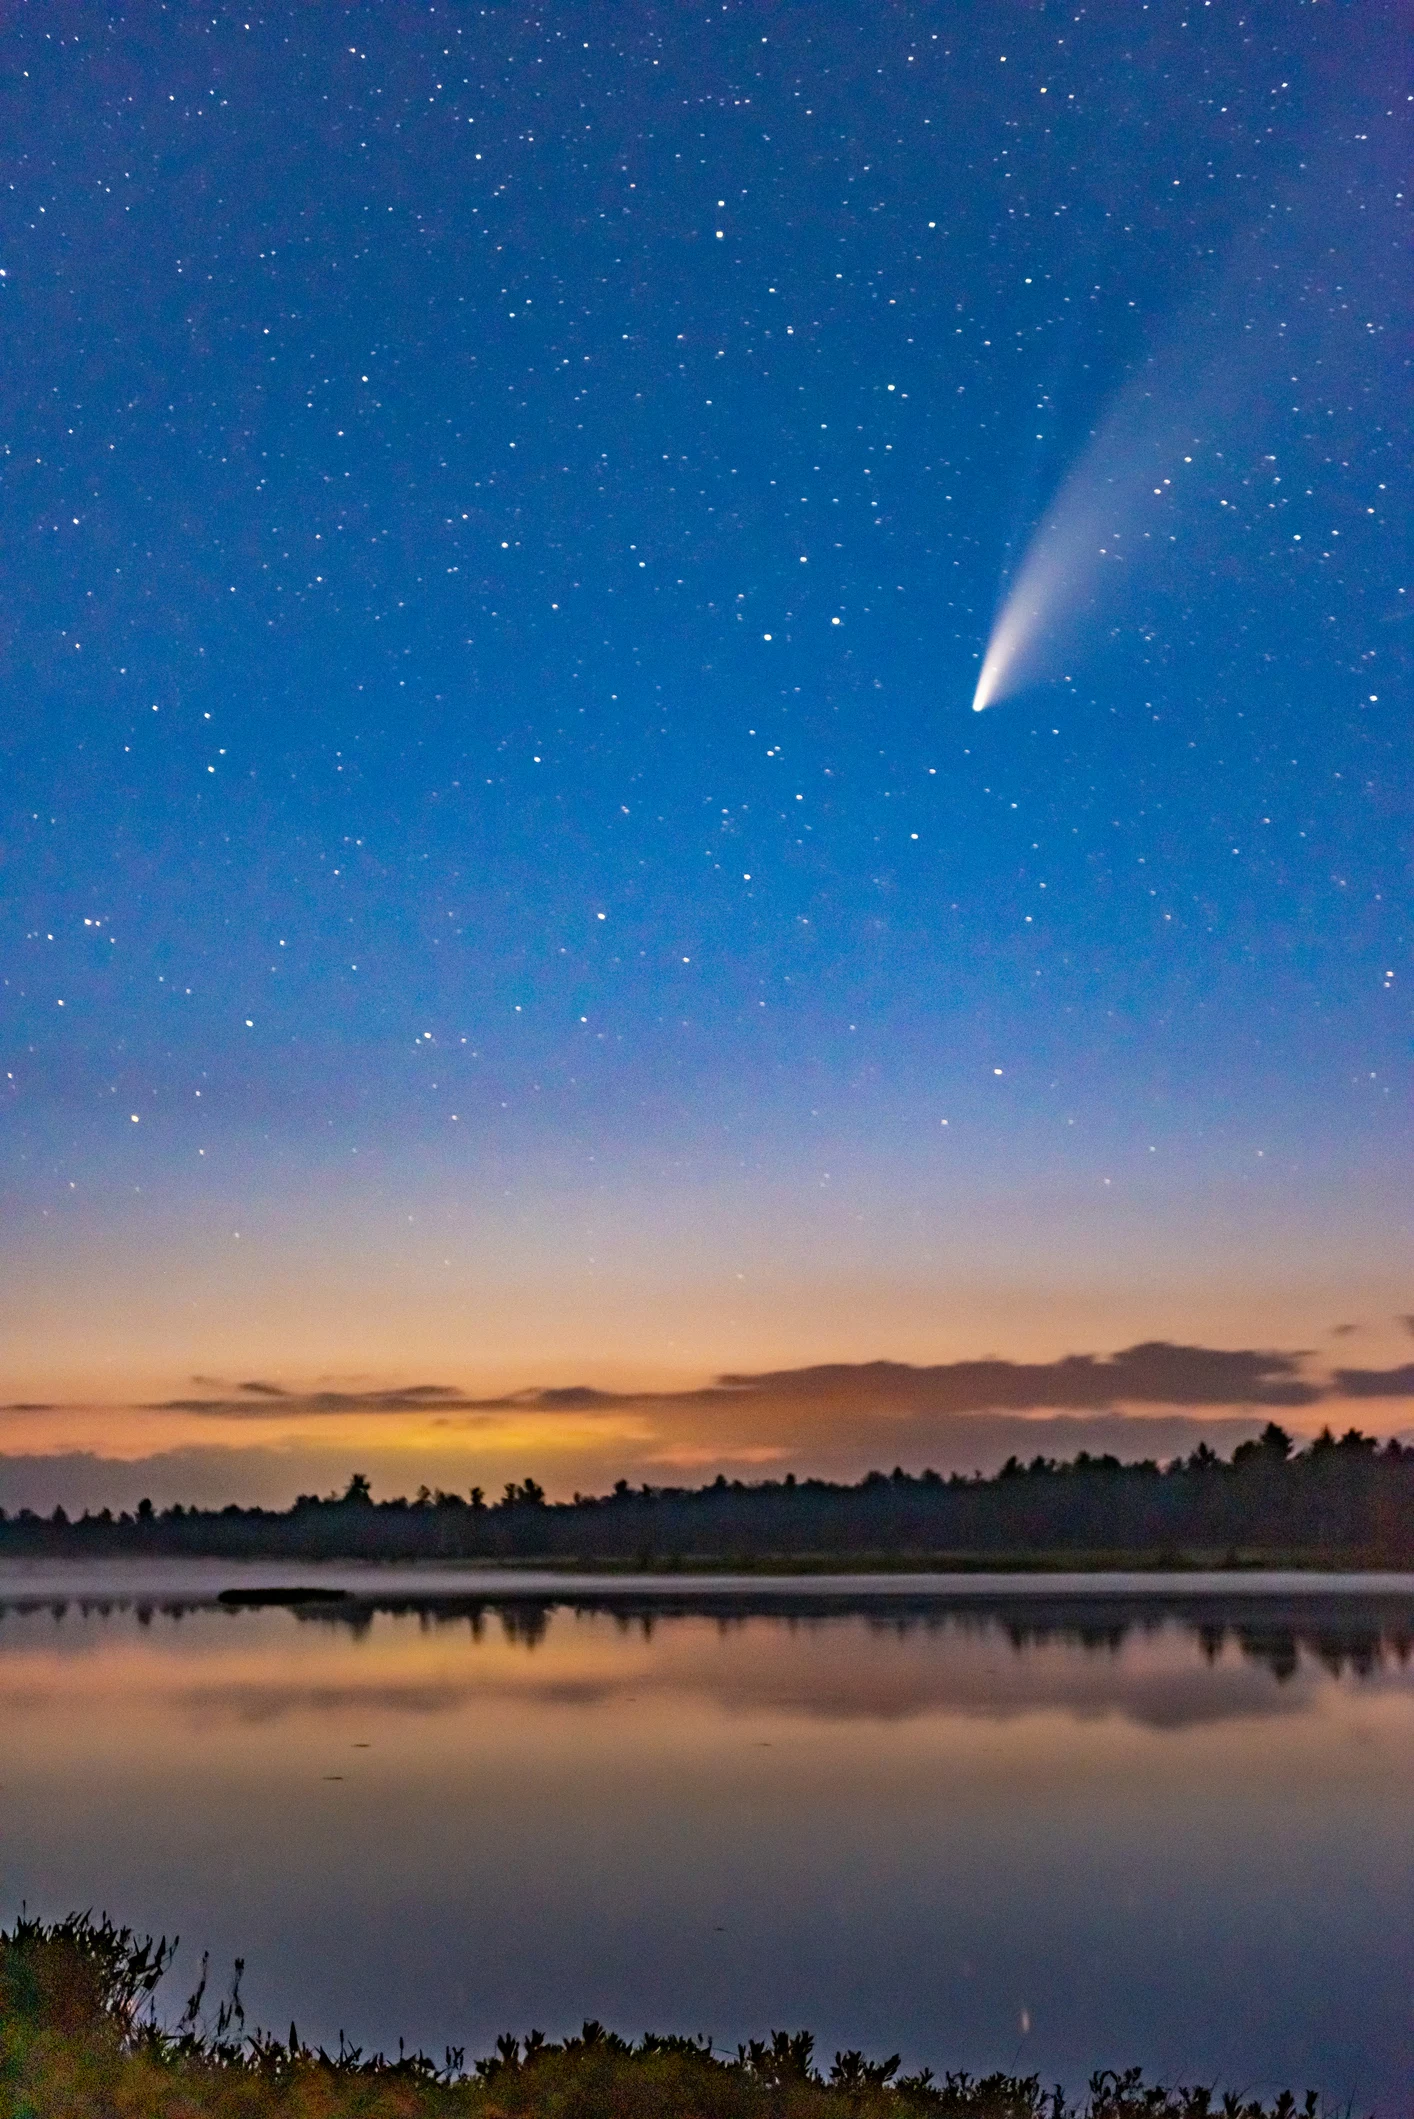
x=596, y=1689
x=404, y=1813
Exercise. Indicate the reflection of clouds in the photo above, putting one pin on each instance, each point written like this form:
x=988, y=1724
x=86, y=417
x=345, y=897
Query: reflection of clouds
x=1162, y=1701
x=258, y=1704
x=1159, y=1672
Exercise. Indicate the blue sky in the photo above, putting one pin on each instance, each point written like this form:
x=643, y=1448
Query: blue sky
x=505, y=515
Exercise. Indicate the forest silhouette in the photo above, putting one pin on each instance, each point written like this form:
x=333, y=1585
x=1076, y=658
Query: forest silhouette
x=1346, y=1502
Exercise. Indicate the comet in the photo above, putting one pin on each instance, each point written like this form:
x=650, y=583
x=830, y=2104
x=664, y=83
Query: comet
x=1105, y=518
x=1159, y=480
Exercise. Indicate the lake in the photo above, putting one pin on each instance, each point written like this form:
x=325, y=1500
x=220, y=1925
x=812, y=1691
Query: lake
x=1043, y=1824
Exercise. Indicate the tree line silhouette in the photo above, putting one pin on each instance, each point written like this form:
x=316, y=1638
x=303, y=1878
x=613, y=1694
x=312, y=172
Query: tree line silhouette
x=1337, y=1502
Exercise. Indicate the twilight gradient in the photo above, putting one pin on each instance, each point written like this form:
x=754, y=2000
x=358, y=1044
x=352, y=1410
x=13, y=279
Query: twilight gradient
x=501, y=881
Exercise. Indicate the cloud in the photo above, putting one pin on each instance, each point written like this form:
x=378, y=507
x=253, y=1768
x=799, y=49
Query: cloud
x=265, y=1442
x=279, y=1404
x=575, y=1397
x=1152, y=1373
x=1156, y=1372
x=206, y=1477
x=1376, y=1383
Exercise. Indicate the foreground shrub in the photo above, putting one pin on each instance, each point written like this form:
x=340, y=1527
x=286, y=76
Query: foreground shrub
x=80, y=2039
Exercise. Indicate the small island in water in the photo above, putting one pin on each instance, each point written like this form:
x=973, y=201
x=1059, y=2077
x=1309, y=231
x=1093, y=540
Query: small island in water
x=80, y=2036
x=1339, y=1503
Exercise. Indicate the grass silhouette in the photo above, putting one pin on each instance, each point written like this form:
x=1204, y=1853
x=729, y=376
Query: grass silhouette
x=80, y=2039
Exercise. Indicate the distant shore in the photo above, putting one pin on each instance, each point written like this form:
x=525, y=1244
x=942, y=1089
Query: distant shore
x=257, y=1583
x=1339, y=1505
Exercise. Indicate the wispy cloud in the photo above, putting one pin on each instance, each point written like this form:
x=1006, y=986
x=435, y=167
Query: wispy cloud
x=272, y=1402
x=1376, y=1383
x=263, y=1439
x=1155, y=1372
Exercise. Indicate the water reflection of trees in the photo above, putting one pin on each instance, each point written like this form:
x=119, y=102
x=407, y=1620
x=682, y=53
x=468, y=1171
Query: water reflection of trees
x=1354, y=1635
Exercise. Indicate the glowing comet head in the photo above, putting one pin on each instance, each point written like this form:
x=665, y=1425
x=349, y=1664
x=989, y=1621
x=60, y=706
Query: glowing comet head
x=994, y=664
x=1019, y=624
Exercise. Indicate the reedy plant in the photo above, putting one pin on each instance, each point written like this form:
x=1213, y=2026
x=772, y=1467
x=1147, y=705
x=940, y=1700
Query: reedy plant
x=80, y=2038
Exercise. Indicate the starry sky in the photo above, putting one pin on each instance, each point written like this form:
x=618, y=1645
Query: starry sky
x=500, y=878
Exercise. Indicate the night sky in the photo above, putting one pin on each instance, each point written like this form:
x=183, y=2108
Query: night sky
x=501, y=880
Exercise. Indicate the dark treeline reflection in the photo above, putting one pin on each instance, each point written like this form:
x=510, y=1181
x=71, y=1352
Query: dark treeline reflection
x=1052, y=1824
x=1356, y=1634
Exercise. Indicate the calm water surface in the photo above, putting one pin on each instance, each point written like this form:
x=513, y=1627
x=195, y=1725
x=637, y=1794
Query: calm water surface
x=989, y=1829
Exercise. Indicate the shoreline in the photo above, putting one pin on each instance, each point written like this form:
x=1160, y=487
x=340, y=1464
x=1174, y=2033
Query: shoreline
x=202, y=1581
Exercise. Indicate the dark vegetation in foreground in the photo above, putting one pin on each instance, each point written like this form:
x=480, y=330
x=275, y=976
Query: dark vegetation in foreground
x=1336, y=1503
x=79, y=2039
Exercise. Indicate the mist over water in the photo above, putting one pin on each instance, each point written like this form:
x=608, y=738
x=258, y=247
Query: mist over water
x=1171, y=1829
